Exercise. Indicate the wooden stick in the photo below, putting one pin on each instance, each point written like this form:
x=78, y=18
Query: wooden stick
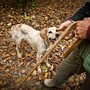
x=48, y=52
x=69, y=50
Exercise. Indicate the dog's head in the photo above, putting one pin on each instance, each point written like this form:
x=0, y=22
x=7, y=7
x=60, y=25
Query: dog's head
x=52, y=34
x=49, y=34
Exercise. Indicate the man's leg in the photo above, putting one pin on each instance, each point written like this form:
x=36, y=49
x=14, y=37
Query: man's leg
x=67, y=67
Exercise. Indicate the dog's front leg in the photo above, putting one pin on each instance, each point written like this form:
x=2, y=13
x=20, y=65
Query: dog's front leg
x=17, y=49
x=46, y=61
x=37, y=61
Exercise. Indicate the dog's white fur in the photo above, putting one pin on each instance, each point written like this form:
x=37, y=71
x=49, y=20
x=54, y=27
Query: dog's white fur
x=38, y=40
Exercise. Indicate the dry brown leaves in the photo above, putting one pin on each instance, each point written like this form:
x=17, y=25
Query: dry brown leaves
x=13, y=70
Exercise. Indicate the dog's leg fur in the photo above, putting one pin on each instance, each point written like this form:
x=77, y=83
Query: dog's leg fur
x=46, y=61
x=17, y=48
x=37, y=61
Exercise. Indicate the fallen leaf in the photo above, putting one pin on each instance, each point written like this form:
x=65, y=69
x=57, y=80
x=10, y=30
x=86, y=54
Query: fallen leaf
x=46, y=75
x=43, y=67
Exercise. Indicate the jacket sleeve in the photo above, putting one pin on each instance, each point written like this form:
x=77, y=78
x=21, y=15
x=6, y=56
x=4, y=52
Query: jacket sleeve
x=82, y=12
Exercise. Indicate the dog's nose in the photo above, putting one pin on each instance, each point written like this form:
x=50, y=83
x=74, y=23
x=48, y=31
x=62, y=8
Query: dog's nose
x=57, y=35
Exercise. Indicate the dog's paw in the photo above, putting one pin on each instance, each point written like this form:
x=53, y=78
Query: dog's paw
x=19, y=55
x=48, y=65
x=39, y=70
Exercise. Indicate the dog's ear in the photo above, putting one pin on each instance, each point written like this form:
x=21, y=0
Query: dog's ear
x=43, y=33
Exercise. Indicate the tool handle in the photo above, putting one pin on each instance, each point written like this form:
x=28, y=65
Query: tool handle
x=72, y=47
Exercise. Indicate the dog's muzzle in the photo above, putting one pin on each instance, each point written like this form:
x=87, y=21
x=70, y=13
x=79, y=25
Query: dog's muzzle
x=57, y=35
x=53, y=40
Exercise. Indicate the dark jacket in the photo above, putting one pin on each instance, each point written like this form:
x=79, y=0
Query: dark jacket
x=82, y=13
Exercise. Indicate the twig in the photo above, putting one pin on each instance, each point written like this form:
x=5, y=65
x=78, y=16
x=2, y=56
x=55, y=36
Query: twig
x=47, y=53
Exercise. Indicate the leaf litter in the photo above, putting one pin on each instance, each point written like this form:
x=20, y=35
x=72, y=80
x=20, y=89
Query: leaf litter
x=13, y=70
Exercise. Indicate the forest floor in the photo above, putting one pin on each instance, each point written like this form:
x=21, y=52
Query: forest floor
x=41, y=14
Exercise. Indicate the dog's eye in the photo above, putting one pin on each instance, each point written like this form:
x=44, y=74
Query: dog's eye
x=50, y=31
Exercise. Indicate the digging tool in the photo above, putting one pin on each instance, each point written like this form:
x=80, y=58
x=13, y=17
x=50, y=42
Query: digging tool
x=72, y=47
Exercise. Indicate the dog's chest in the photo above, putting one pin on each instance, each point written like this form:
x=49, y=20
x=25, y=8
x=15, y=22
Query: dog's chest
x=36, y=42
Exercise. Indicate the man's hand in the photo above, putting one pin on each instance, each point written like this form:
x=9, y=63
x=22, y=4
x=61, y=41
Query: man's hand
x=64, y=25
x=82, y=27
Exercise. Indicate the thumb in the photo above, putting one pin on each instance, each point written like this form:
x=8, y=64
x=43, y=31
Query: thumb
x=60, y=27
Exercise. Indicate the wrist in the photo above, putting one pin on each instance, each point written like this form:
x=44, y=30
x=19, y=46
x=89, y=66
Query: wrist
x=88, y=33
x=71, y=20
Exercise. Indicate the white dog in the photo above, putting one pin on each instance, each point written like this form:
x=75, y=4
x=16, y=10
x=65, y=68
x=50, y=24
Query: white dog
x=38, y=40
